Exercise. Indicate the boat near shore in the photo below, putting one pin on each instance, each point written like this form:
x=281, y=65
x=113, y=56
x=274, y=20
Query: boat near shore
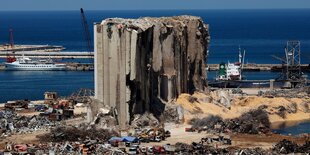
x=26, y=64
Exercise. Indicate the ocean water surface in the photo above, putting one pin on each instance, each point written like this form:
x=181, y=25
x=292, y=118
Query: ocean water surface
x=261, y=32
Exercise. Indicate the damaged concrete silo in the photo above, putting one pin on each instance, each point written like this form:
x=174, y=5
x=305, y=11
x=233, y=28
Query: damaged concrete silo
x=141, y=62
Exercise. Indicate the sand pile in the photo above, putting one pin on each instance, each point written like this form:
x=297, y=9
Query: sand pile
x=279, y=109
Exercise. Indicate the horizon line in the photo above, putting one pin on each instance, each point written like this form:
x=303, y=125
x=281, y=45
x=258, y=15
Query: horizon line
x=214, y=9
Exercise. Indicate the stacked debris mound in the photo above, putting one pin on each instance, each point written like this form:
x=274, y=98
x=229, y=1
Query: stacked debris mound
x=252, y=122
x=302, y=92
x=104, y=119
x=63, y=148
x=286, y=147
x=142, y=60
x=291, y=108
x=12, y=123
x=72, y=134
x=256, y=151
x=173, y=113
x=210, y=122
x=144, y=120
x=198, y=148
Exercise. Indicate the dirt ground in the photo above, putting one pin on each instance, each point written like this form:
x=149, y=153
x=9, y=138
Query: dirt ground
x=30, y=138
x=178, y=134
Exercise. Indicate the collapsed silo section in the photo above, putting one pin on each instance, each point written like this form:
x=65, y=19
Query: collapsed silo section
x=141, y=62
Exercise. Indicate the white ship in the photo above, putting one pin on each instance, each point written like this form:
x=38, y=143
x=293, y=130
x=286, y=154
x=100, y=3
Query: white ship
x=25, y=63
x=231, y=71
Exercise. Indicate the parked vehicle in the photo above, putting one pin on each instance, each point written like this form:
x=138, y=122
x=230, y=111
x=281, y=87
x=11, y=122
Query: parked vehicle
x=159, y=150
x=133, y=150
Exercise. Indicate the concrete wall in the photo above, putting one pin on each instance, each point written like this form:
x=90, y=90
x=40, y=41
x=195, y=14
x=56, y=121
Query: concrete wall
x=140, y=62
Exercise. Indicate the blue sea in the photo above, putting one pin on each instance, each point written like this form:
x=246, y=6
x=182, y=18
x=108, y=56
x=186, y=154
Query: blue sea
x=261, y=32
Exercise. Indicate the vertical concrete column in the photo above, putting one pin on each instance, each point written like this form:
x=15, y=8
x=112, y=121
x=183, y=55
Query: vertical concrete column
x=98, y=62
x=106, y=65
x=133, y=46
x=271, y=84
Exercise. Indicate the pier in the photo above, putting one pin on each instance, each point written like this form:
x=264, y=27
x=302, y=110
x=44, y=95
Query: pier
x=38, y=48
x=58, y=55
x=260, y=67
x=70, y=66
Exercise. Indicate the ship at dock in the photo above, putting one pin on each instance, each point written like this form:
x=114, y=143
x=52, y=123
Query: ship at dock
x=231, y=71
x=230, y=75
x=26, y=64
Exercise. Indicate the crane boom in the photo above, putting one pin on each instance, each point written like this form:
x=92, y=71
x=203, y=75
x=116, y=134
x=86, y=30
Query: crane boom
x=86, y=31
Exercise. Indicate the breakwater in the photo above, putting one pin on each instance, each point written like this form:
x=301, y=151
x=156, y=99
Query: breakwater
x=260, y=67
x=58, y=55
x=71, y=66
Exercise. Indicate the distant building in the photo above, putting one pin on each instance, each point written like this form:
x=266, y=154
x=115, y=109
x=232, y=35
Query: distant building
x=50, y=97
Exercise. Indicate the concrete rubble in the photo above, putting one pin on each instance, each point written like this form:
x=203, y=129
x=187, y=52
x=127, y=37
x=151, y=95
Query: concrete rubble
x=302, y=92
x=252, y=122
x=81, y=133
x=12, y=123
x=288, y=147
x=144, y=120
x=142, y=63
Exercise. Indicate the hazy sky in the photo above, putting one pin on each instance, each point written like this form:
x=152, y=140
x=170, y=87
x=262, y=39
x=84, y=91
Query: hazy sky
x=149, y=4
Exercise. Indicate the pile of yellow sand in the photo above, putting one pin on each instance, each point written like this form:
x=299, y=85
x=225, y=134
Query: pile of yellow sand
x=200, y=106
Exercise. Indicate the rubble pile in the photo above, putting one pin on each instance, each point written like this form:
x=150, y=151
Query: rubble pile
x=198, y=148
x=144, y=120
x=291, y=93
x=104, y=119
x=66, y=148
x=252, y=122
x=12, y=123
x=72, y=134
x=257, y=150
x=222, y=97
x=291, y=108
x=183, y=147
x=208, y=122
x=286, y=147
x=173, y=113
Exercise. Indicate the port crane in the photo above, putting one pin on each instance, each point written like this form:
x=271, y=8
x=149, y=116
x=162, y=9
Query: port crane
x=9, y=58
x=291, y=66
x=11, y=38
x=86, y=33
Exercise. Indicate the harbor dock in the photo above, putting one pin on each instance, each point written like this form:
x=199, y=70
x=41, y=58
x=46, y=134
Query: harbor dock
x=260, y=67
x=58, y=55
x=38, y=48
x=70, y=67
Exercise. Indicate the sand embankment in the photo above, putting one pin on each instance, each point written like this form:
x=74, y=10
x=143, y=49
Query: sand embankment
x=279, y=109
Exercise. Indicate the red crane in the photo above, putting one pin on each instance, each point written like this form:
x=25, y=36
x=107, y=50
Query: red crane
x=9, y=58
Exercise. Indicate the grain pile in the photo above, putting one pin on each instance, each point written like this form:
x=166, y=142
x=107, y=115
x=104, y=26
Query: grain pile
x=279, y=109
